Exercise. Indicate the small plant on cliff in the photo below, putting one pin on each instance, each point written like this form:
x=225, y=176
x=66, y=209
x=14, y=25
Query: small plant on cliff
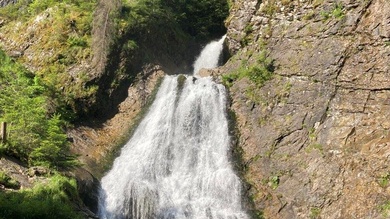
x=385, y=209
x=337, y=12
x=273, y=182
x=315, y=212
x=384, y=180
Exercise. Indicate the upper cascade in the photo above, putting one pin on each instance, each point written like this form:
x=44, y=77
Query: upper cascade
x=209, y=57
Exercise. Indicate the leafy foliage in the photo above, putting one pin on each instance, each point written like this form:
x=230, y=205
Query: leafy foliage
x=48, y=200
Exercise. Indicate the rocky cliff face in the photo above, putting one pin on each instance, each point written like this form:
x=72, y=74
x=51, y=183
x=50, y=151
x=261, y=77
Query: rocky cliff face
x=315, y=138
x=96, y=144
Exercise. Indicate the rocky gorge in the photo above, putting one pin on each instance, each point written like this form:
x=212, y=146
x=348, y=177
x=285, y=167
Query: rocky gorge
x=313, y=136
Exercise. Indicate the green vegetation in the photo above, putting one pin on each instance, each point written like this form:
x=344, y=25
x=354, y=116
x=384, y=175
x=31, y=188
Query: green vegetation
x=24, y=9
x=61, y=39
x=384, y=180
x=53, y=199
x=273, y=182
x=385, y=209
x=201, y=19
x=248, y=35
x=315, y=212
x=258, y=73
x=337, y=12
x=35, y=136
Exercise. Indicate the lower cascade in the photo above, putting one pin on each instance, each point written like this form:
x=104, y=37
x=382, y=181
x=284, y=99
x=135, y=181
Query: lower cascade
x=176, y=164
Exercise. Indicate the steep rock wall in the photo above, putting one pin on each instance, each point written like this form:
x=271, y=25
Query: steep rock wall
x=315, y=138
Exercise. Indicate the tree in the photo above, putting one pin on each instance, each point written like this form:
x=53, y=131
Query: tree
x=52, y=149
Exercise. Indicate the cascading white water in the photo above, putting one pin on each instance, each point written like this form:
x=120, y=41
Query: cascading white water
x=176, y=164
x=209, y=56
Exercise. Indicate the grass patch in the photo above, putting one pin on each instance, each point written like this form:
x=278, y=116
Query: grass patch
x=53, y=199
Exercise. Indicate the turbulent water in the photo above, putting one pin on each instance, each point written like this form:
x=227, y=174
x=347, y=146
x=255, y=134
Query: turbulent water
x=176, y=164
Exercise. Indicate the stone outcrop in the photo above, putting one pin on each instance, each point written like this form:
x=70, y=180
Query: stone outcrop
x=96, y=144
x=315, y=138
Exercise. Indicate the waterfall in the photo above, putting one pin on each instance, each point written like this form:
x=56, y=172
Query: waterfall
x=176, y=164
